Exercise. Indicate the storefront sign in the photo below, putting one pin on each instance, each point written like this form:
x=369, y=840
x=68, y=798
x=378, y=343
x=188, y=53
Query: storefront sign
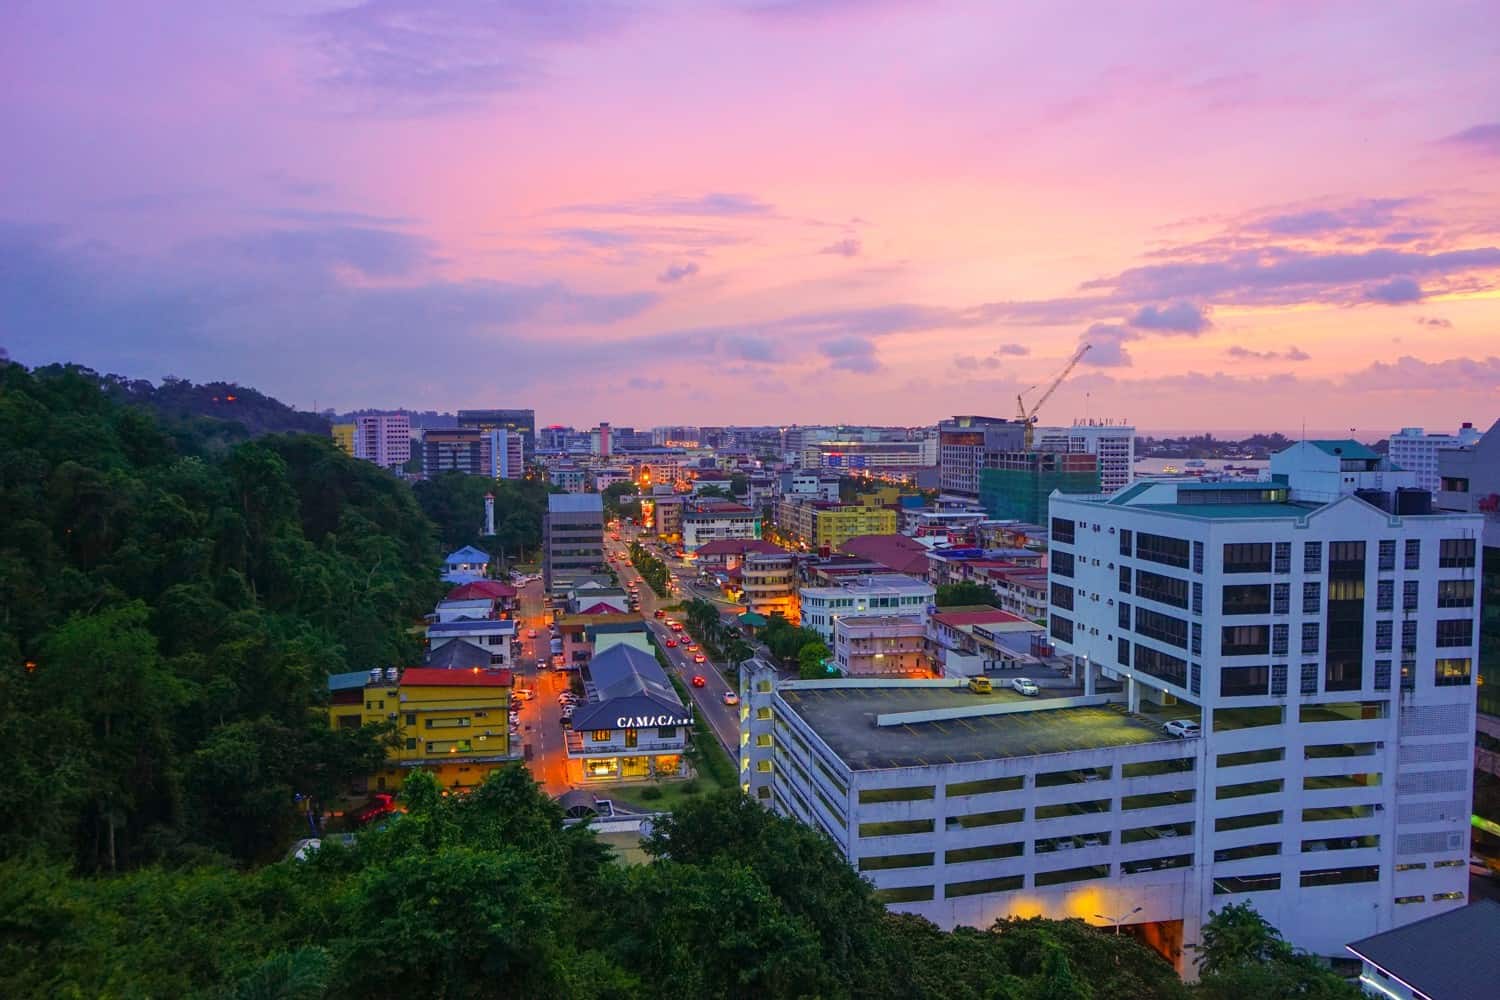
x=648, y=721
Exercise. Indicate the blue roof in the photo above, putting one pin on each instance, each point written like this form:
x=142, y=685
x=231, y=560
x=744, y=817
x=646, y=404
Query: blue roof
x=469, y=554
x=1346, y=448
x=575, y=503
x=469, y=625
x=345, y=682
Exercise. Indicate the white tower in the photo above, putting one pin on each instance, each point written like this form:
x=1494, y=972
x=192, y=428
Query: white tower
x=489, y=513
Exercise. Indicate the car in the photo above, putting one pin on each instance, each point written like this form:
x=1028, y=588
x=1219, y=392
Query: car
x=698, y=681
x=699, y=658
x=658, y=613
x=676, y=626
x=1025, y=686
x=692, y=647
x=531, y=633
x=730, y=698
x=671, y=643
x=541, y=664
x=1184, y=729
x=1479, y=867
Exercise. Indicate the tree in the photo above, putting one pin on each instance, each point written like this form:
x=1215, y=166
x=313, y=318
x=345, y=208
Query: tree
x=713, y=492
x=812, y=660
x=1241, y=954
x=964, y=593
x=739, y=484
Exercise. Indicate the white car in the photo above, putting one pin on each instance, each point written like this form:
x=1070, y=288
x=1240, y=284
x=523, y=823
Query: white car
x=1026, y=686
x=1184, y=729
x=730, y=698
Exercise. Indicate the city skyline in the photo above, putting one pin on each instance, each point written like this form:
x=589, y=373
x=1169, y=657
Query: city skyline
x=754, y=213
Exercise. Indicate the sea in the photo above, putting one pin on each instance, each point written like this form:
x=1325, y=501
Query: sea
x=1193, y=466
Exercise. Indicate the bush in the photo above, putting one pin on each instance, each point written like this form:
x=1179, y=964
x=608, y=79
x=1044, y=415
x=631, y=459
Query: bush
x=690, y=787
x=651, y=792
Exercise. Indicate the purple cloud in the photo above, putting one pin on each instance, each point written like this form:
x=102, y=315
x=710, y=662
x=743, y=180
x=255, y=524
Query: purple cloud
x=1371, y=213
x=713, y=204
x=1483, y=139
x=843, y=248
x=1397, y=291
x=1435, y=321
x=1179, y=317
x=1413, y=374
x=1107, y=346
x=677, y=272
x=1014, y=349
x=852, y=354
x=1246, y=354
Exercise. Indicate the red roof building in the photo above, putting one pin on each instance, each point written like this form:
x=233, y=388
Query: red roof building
x=482, y=588
x=897, y=553
x=729, y=553
x=437, y=677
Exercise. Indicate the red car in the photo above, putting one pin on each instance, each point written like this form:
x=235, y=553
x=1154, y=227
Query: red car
x=380, y=804
x=699, y=658
x=671, y=643
x=698, y=681
x=659, y=613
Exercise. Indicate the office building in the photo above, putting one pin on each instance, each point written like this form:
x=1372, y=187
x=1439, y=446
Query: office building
x=383, y=438
x=810, y=485
x=963, y=443
x=504, y=454
x=770, y=583
x=705, y=521
x=1015, y=485
x=522, y=422
x=876, y=594
x=600, y=443
x=1113, y=444
x=1415, y=451
x=572, y=540
x=1469, y=482
x=821, y=526
x=861, y=456
x=454, y=449
x=1321, y=628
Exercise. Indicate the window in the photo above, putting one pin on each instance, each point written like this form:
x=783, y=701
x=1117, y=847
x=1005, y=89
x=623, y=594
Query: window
x=1309, y=677
x=1161, y=665
x=1346, y=557
x=886, y=862
x=1247, y=599
x=411, y=718
x=1385, y=595
x=1413, y=553
x=411, y=744
x=1281, y=599
x=1387, y=555
x=1164, y=628
x=1061, y=628
x=1341, y=876
x=1409, y=595
x=1246, y=822
x=1382, y=675
x=904, y=894
x=1410, y=899
x=1245, y=640
x=1312, y=557
x=1346, y=589
x=1197, y=557
x=1071, y=875
x=1123, y=609
x=985, y=786
x=910, y=794
x=1230, y=884
x=1455, y=632
x=1061, y=563
x=1062, y=596
x=666, y=732
x=1165, y=589
x=1124, y=579
x=1455, y=593
x=1240, y=681
x=1248, y=851
x=1270, y=755
x=1062, y=530
x=1279, y=639
x=1269, y=787
x=1408, y=675
x=1126, y=542
x=1311, y=637
x=1195, y=684
x=1004, y=883
x=1197, y=598
x=1312, y=598
x=1453, y=672
x=1328, y=814
x=601, y=735
x=456, y=723
x=1283, y=559
x=1162, y=549
x=1247, y=557
x=1197, y=639
x=1384, y=635
x=1456, y=553
x=998, y=817
x=1439, y=897
x=1122, y=652
x=896, y=828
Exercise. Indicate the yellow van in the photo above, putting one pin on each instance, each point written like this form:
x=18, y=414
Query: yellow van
x=980, y=685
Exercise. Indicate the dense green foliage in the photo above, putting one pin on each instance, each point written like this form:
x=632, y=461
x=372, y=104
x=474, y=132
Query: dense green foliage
x=652, y=569
x=455, y=503
x=787, y=642
x=490, y=895
x=721, y=640
x=221, y=413
x=1241, y=955
x=182, y=605
x=965, y=593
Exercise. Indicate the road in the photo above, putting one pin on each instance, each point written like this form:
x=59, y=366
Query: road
x=541, y=725
x=723, y=719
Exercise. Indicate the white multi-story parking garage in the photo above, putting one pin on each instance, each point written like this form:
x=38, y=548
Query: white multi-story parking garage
x=1324, y=641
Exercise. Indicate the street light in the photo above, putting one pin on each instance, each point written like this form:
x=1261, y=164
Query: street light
x=1117, y=921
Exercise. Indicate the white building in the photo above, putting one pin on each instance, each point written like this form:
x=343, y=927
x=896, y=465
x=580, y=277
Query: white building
x=383, y=438
x=1113, y=444
x=504, y=452
x=881, y=594
x=1327, y=644
x=715, y=520
x=493, y=635
x=812, y=485
x=1416, y=451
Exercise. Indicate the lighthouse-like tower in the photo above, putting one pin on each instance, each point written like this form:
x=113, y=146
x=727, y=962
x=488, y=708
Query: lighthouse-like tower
x=489, y=513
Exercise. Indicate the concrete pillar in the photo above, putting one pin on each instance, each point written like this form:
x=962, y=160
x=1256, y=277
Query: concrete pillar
x=1133, y=696
x=1088, y=678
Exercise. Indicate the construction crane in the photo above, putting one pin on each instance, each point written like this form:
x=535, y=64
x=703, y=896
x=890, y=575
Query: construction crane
x=1029, y=417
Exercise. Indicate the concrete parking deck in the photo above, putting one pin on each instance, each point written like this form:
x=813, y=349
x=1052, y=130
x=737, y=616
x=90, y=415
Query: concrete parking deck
x=845, y=719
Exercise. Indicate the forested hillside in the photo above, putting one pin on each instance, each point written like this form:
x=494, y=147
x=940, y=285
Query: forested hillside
x=169, y=612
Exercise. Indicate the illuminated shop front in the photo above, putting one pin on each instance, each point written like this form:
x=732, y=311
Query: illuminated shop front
x=634, y=726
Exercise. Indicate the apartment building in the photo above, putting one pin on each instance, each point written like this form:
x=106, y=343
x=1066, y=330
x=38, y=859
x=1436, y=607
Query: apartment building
x=1321, y=628
x=383, y=438
x=572, y=540
x=770, y=582
x=1112, y=444
x=1414, y=450
x=963, y=442
x=1469, y=482
x=454, y=449
x=819, y=525
x=522, y=422
x=505, y=454
x=881, y=646
x=882, y=594
x=705, y=521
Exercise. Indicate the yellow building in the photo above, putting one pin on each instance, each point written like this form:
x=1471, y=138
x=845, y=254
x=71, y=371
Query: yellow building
x=343, y=436
x=452, y=723
x=819, y=524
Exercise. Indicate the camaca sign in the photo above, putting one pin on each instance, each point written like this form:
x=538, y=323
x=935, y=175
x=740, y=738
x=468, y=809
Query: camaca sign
x=647, y=721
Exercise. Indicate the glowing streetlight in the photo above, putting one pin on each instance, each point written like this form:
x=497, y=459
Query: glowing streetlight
x=1117, y=921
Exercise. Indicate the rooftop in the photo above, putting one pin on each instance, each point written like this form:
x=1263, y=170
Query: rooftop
x=896, y=552
x=468, y=554
x=471, y=625
x=959, y=617
x=875, y=582
x=481, y=588
x=458, y=654
x=575, y=503
x=438, y=677
x=1346, y=448
x=1233, y=511
x=347, y=681
x=845, y=719
x=1451, y=956
x=736, y=546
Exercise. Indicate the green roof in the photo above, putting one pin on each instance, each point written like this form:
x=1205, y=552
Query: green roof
x=1346, y=448
x=1130, y=493
x=753, y=620
x=1230, y=511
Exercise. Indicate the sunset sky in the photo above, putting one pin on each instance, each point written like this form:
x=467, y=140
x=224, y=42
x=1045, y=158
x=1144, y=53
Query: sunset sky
x=1260, y=215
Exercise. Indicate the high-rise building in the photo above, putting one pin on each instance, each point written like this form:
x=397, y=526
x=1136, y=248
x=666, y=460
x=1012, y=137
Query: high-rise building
x=454, y=449
x=1015, y=485
x=1469, y=482
x=572, y=539
x=505, y=454
x=1415, y=451
x=963, y=442
x=770, y=582
x=383, y=438
x=599, y=441
x=1113, y=444
x=523, y=422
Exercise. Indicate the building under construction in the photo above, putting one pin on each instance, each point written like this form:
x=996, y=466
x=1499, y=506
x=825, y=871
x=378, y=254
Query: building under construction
x=1014, y=485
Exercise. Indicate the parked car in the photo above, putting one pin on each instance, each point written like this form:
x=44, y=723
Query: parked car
x=730, y=698
x=1183, y=728
x=698, y=681
x=980, y=685
x=1025, y=686
x=525, y=694
x=699, y=658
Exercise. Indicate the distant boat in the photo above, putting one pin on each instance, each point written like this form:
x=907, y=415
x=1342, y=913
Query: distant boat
x=1196, y=463
x=1171, y=469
